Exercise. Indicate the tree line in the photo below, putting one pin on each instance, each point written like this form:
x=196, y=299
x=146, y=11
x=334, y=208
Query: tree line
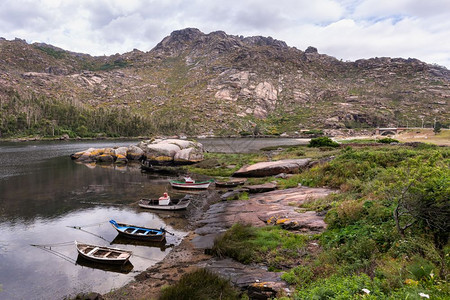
x=37, y=115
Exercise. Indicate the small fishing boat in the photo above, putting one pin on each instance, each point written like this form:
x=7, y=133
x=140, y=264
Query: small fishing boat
x=165, y=203
x=103, y=254
x=230, y=183
x=189, y=183
x=121, y=240
x=147, y=167
x=125, y=268
x=138, y=232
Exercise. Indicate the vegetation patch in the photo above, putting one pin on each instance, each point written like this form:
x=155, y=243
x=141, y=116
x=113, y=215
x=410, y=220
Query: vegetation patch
x=387, y=229
x=276, y=247
x=224, y=165
x=387, y=140
x=200, y=284
x=323, y=141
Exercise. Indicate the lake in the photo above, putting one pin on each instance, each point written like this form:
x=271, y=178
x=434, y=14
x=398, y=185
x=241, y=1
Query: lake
x=44, y=195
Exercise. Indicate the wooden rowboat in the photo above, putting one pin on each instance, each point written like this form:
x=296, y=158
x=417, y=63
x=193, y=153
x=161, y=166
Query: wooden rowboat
x=189, y=183
x=103, y=254
x=125, y=268
x=180, y=204
x=138, y=232
x=230, y=183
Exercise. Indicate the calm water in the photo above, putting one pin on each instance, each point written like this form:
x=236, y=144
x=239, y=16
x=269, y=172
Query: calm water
x=43, y=194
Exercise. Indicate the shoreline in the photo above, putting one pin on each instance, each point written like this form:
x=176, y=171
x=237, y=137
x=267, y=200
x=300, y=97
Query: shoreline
x=209, y=219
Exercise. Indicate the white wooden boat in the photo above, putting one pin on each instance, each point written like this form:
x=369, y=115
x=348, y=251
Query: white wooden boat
x=103, y=254
x=189, y=183
x=165, y=203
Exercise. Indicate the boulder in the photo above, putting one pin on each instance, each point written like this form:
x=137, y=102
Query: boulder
x=172, y=151
x=105, y=158
x=121, y=151
x=121, y=159
x=188, y=155
x=134, y=153
x=288, y=166
x=169, y=151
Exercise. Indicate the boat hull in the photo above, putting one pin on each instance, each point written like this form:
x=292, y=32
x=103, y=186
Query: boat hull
x=139, y=233
x=148, y=204
x=233, y=183
x=189, y=185
x=101, y=254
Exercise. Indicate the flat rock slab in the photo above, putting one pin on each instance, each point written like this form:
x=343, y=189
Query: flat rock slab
x=260, y=188
x=275, y=207
x=271, y=168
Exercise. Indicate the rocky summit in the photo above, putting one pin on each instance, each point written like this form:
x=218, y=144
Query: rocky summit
x=197, y=83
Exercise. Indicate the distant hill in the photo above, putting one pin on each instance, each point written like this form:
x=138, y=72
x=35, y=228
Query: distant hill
x=196, y=83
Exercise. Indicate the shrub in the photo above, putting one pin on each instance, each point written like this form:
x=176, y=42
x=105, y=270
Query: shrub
x=323, y=141
x=201, y=284
x=387, y=140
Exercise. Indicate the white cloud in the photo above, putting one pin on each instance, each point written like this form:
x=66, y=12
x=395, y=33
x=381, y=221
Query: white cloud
x=346, y=29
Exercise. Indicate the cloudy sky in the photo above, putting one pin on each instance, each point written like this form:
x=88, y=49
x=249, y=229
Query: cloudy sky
x=345, y=29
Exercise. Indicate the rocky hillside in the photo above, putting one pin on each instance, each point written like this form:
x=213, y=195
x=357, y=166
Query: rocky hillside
x=196, y=83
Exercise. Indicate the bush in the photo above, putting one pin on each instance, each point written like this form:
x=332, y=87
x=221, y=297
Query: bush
x=322, y=141
x=202, y=285
x=388, y=140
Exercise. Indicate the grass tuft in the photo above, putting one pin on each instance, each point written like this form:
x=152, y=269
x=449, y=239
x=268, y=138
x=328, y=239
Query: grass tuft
x=201, y=284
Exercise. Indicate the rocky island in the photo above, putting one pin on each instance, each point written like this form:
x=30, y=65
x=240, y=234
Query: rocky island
x=155, y=151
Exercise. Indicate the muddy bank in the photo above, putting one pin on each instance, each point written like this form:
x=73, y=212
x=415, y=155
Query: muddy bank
x=207, y=218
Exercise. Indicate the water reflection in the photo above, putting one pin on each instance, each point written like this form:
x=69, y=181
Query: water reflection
x=124, y=269
x=44, y=195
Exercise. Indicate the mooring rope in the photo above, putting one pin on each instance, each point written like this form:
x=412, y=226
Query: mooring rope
x=96, y=235
x=59, y=254
x=54, y=245
x=102, y=203
x=89, y=225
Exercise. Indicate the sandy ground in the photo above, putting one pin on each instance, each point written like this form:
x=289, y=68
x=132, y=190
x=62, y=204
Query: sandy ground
x=411, y=135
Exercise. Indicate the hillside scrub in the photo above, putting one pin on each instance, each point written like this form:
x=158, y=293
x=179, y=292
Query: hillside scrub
x=387, y=228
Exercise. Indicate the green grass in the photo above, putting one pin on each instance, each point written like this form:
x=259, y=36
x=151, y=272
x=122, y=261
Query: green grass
x=200, y=285
x=274, y=246
x=361, y=248
x=224, y=165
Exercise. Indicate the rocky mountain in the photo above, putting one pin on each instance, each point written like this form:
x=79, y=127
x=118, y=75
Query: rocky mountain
x=197, y=83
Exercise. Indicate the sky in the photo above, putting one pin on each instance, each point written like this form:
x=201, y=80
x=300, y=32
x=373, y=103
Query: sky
x=346, y=29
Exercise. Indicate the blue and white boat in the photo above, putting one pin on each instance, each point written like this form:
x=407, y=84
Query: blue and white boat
x=138, y=232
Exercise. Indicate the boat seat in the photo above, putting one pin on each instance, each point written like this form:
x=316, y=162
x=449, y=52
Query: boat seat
x=92, y=251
